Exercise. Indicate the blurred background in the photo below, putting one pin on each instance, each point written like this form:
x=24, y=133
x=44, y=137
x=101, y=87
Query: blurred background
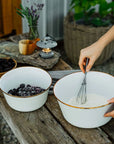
x=51, y=17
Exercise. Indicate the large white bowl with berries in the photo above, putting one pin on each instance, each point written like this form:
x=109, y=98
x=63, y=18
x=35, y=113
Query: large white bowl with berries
x=26, y=88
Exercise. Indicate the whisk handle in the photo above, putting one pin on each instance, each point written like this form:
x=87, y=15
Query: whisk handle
x=87, y=61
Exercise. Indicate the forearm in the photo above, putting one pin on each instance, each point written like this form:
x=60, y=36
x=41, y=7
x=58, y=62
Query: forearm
x=106, y=38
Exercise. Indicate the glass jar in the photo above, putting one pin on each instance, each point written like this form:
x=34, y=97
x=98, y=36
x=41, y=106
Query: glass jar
x=33, y=32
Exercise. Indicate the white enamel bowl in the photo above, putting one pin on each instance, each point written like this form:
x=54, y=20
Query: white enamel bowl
x=28, y=75
x=90, y=117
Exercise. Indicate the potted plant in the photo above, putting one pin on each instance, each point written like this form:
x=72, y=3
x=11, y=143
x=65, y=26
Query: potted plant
x=85, y=25
x=32, y=15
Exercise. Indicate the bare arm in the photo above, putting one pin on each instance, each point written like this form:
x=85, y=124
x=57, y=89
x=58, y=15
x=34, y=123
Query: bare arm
x=107, y=37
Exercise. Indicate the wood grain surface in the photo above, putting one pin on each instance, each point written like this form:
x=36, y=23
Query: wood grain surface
x=47, y=125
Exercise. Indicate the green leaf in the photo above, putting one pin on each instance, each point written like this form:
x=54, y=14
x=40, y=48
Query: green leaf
x=96, y=22
x=105, y=8
x=23, y=10
x=19, y=14
x=107, y=22
x=72, y=2
x=29, y=20
x=83, y=10
x=111, y=4
x=36, y=18
x=90, y=12
x=22, y=7
x=19, y=10
x=78, y=16
x=99, y=22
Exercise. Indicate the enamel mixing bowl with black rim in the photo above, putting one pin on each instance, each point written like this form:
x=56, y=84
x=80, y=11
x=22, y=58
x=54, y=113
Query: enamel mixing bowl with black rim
x=99, y=83
x=28, y=75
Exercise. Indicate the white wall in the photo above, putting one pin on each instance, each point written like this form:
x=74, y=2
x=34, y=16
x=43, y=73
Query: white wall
x=55, y=16
x=66, y=6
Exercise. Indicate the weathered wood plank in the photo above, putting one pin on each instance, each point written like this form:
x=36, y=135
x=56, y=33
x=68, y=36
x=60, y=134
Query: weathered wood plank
x=49, y=127
x=82, y=136
x=62, y=65
x=16, y=123
x=38, y=127
x=109, y=129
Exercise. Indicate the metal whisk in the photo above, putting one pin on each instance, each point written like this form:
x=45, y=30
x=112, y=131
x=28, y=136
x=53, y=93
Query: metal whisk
x=82, y=96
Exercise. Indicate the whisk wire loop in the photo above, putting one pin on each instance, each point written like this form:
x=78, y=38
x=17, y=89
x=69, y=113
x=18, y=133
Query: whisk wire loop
x=82, y=94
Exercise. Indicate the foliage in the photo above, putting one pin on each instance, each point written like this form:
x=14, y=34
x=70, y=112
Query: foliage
x=32, y=15
x=85, y=10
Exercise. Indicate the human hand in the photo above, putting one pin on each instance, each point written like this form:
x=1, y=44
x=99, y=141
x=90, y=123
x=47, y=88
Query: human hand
x=110, y=114
x=92, y=52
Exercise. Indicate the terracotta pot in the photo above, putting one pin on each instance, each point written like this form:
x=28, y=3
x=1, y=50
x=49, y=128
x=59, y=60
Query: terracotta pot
x=27, y=47
x=10, y=69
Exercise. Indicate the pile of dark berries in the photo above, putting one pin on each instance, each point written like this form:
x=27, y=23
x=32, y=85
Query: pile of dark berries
x=6, y=64
x=26, y=90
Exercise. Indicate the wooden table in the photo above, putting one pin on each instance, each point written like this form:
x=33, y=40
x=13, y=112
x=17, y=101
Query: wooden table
x=47, y=125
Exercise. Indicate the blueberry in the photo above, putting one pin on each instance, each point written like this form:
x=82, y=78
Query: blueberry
x=43, y=89
x=28, y=85
x=38, y=88
x=23, y=93
x=22, y=85
x=32, y=92
x=10, y=91
x=32, y=88
x=14, y=90
x=28, y=93
x=26, y=90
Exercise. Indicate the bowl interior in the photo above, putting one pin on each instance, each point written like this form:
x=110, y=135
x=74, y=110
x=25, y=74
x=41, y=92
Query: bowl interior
x=97, y=83
x=28, y=75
